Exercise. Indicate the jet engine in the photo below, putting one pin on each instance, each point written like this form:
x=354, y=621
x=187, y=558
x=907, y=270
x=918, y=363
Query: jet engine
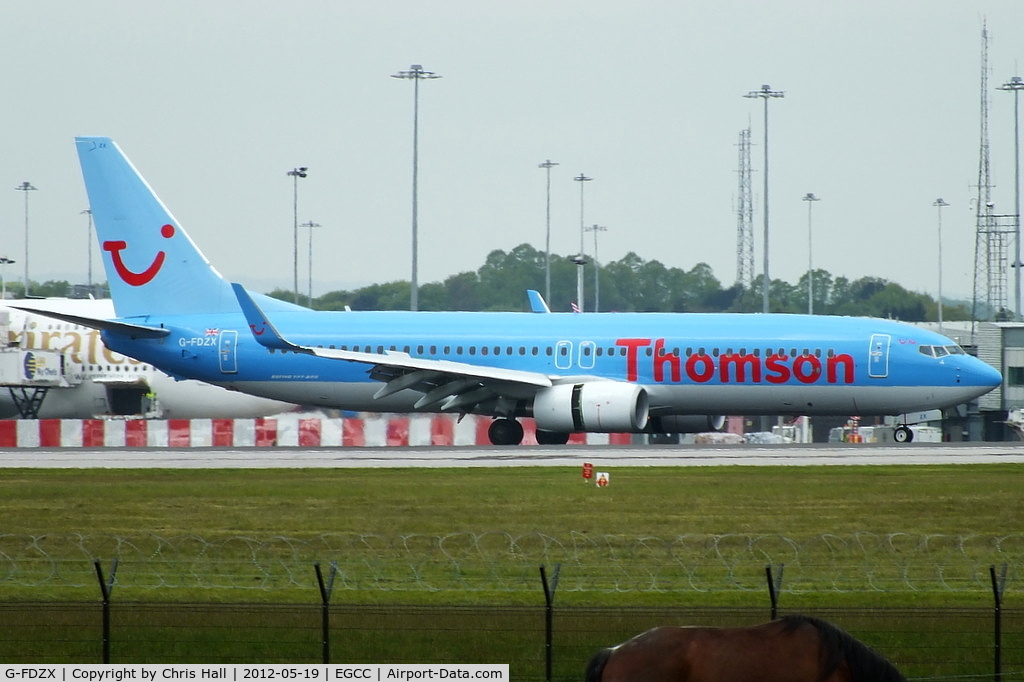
x=687, y=423
x=596, y=407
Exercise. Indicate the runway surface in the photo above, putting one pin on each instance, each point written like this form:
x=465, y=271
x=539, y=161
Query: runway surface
x=466, y=456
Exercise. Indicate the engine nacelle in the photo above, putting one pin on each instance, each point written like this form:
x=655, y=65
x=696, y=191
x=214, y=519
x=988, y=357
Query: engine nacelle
x=687, y=423
x=596, y=407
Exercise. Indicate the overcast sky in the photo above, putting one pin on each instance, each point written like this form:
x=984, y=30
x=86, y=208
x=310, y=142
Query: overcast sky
x=214, y=101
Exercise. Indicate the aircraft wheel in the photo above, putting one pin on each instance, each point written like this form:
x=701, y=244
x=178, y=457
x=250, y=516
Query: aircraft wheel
x=552, y=437
x=903, y=434
x=505, y=432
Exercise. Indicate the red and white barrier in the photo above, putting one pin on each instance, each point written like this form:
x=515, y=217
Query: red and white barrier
x=287, y=430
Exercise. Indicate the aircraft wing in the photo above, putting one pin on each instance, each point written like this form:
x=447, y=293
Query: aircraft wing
x=445, y=383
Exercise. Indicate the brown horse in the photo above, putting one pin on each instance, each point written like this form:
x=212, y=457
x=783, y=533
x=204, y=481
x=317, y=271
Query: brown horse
x=792, y=649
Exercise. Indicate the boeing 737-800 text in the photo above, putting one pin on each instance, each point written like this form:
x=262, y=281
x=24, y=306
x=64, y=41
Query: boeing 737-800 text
x=597, y=372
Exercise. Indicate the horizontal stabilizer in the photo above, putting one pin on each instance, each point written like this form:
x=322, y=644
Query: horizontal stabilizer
x=135, y=331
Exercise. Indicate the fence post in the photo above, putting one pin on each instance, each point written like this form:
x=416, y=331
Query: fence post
x=106, y=586
x=549, y=600
x=998, y=587
x=774, y=586
x=325, y=612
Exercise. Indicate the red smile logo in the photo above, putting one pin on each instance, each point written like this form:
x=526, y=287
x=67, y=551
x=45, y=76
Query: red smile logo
x=137, y=279
x=258, y=332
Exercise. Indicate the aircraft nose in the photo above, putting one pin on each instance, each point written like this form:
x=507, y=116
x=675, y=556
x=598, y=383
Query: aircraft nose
x=981, y=373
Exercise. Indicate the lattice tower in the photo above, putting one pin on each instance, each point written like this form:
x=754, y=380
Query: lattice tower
x=745, y=216
x=993, y=233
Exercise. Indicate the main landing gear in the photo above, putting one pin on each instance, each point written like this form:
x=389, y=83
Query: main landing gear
x=505, y=432
x=903, y=434
x=510, y=432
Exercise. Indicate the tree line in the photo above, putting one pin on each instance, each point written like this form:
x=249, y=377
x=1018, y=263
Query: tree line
x=633, y=284
x=630, y=284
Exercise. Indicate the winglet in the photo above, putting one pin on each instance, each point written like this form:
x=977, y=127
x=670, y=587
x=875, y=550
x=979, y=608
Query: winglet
x=537, y=302
x=262, y=329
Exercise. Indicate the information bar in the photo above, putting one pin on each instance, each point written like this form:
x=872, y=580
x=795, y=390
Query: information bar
x=370, y=672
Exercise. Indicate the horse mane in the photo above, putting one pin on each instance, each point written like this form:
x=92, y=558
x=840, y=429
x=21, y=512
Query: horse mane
x=596, y=665
x=837, y=645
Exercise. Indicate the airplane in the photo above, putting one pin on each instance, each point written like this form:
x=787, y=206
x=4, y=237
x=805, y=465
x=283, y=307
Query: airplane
x=570, y=372
x=71, y=375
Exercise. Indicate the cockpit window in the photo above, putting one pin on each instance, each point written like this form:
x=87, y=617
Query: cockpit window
x=940, y=351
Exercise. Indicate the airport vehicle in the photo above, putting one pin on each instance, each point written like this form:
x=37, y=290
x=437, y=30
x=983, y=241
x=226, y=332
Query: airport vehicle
x=56, y=369
x=597, y=372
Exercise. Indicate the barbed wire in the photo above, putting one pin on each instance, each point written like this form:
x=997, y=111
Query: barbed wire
x=502, y=561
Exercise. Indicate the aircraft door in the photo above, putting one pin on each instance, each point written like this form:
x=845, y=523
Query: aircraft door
x=563, y=354
x=228, y=357
x=878, y=356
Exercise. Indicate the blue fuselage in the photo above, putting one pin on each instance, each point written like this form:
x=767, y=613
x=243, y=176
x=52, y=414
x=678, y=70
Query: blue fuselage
x=688, y=363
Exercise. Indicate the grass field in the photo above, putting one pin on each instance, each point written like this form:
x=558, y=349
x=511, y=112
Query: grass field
x=478, y=535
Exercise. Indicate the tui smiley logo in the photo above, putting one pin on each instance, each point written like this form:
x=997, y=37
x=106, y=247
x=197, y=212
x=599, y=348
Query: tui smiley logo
x=137, y=279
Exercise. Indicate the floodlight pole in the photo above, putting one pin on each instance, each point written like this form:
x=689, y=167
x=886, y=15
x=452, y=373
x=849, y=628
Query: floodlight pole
x=580, y=259
x=1015, y=85
x=88, y=212
x=940, y=203
x=310, y=224
x=26, y=187
x=296, y=173
x=547, y=165
x=810, y=199
x=415, y=74
x=597, y=267
x=765, y=93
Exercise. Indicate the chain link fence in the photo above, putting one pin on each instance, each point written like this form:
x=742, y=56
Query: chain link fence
x=500, y=561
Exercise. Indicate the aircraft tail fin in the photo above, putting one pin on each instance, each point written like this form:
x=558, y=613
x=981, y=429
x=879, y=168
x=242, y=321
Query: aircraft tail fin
x=153, y=267
x=537, y=302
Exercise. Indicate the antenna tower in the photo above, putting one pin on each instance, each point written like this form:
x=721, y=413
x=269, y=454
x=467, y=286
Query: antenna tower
x=745, y=216
x=993, y=232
